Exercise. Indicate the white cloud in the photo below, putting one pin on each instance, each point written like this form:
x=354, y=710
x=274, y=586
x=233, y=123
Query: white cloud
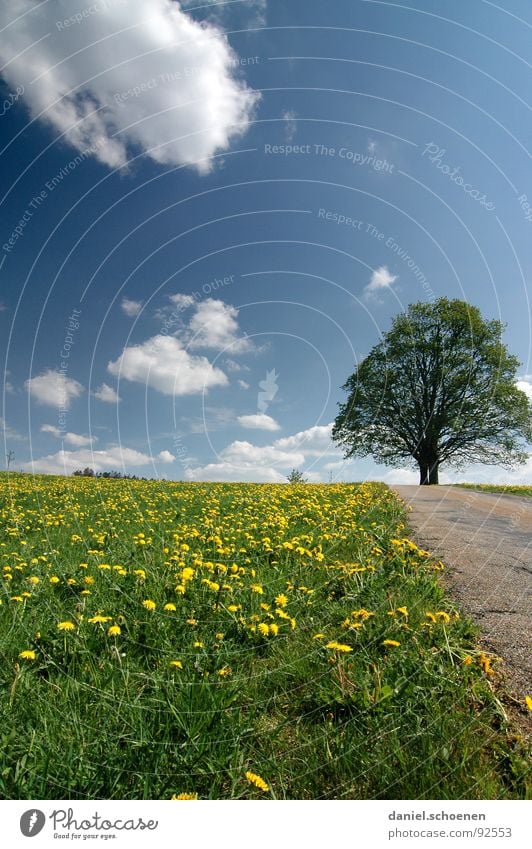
x=181, y=301
x=75, y=439
x=54, y=389
x=66, y=462
x=381, y=278
x=525, y=385
x=232, y=365
x=118, y=77
x=7, y=432
x=165, y=456
x=214, y=325
x=131, y=308
x=243, y=384
x=258, y=421
x=314, y=441
x=162, y=363
x=107, y=394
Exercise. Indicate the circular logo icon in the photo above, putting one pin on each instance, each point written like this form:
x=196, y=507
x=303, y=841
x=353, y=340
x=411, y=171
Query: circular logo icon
x=32, y=822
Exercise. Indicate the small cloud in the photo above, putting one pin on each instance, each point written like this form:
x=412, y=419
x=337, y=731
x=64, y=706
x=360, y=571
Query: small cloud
x=243, y=384
x=7, y=432
x=371, y=146
x=107, y=394
x=381, y=278
x=290, y=124
x=165, y=456
x=525, y=385
x=75, y=439
x=182, y=301
x=54, y=389
x=232, y=365
x=259, y=421
x=131, y=308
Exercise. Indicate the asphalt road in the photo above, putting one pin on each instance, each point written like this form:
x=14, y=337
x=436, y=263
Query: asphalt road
x=485, y=541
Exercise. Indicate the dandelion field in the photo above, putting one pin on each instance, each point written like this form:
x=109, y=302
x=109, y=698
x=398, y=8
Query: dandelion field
x=504, y=489
x=225, y=641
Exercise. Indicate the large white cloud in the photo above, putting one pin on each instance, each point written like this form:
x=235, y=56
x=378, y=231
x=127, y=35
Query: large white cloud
x=120, y=77
x=65, y=462
x=162, y=363
x=53, y=388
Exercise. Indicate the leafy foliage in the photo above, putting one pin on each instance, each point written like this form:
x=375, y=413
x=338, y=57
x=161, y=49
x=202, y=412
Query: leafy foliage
x=438, y=388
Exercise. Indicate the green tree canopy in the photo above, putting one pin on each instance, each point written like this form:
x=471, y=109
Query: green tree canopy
x=438, y=388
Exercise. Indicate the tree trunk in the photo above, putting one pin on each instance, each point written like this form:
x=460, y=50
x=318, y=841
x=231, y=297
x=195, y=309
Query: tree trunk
x=428, y=473
x=433, y=473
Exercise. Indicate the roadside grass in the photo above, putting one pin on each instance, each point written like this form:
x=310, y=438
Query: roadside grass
x=235, y=641
x=506, y=489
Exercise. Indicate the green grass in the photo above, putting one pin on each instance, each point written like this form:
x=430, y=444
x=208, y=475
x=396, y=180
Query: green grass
x=506, y=489
x=99, y=716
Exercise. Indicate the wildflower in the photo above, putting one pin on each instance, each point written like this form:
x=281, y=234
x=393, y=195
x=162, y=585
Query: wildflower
x=27, y=654
x=94, y=620
x=341, y=647
x=149, y=604
x=318, y=637
x=390, y=643
x=257, y=781
x=199, y=645
x=443, y=616
x=176, y=664
x=34, y=580
x=528, y=702
x=403, y=610
x=187, y=796
x=66, y=626
x=256, y=588
x=430, y=616
x=468, y=660
x=224, y=671
x=274, y=629
x=264, y=629
x=114, y=631
x=170, y=606
x=281, y=600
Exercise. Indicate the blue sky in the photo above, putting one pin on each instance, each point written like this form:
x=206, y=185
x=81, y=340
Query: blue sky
x=210, y=213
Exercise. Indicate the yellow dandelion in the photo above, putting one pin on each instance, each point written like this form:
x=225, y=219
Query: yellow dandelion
x=182, y=796
x=281, y=600
x=176, y=664
x=94, y=620
x=27, y=654
x=54, y=579
x=468, y=660
x=114, y=631
x=149, y=604
x=170, y=606
x=34, y=580
x=257, y=781
x=391, y=643
x=443, y=616
x=66, y=626
x=224, y=671
x=264, y=629
x=341, y=647
x=318, y=637
x=528, y=702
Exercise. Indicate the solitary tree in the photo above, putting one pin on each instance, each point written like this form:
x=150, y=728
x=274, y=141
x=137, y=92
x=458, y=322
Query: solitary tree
x=438, y=388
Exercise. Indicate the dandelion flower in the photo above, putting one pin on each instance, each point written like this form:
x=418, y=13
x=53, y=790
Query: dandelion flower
x=528, y=702
x=224, y=671
x=182, y=796
x=28, y=654
x=281, y=600
x=341, y=647
x=257, y=781
x=94, y=620
x=390, y=643
x=169, y=606
x=264, y=629
x=114, y=631
x=66, y=626
x=149, y=604
x=176, y=664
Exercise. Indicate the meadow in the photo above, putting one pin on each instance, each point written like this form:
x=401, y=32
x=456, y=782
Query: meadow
x=192, y=640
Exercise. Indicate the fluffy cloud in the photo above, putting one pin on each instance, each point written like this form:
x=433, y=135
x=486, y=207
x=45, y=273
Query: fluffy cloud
x=241, y=460
x=75, y=439
x=107, y=394
x=54, y=389
x=7, y=432
x=214, y=325
x=162, y=363
x=130, y=308
x=116, y=77
x=165, y=457
x=243, y=384
x=259, y=421
x=66, y=462
x=525, y=385
x=380, y=279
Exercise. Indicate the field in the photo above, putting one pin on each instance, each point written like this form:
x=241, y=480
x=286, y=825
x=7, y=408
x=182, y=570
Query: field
x=235, y=641
x=508, y=489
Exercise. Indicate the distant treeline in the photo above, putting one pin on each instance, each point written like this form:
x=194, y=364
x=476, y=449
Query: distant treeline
x=90, y=473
